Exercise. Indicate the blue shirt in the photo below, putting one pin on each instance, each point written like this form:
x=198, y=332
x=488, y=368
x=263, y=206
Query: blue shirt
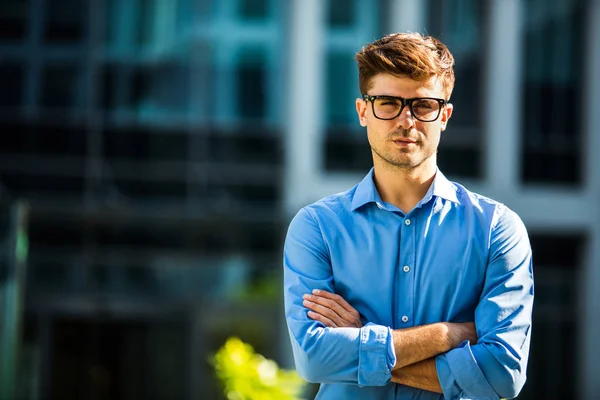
x=456, y=257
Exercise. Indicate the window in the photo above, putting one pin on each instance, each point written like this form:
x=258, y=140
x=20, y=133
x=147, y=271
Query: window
x=60, y=86
x=552, y=109
x=13, y=19
x=107, y=87
x=66, y=21
x=552, y=370
x=341, y=13
x=11, y=81
x=346, y=148
x=145, y=31
x=253, y=9
x=459, y=25
x=342, y=88
x=111, y=22
x=252, y=84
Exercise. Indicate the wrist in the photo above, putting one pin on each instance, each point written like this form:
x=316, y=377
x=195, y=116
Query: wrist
x=448, y=334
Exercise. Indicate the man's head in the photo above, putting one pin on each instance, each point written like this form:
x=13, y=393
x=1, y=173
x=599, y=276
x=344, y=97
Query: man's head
x=406, y=54
x=405, y=82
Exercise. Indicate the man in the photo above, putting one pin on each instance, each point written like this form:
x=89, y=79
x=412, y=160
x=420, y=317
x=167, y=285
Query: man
x=408, y=286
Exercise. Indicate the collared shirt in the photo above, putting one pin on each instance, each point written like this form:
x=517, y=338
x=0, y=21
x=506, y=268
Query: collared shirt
x=456, y=257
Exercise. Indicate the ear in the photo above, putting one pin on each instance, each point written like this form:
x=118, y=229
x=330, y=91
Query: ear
x=446, y=114
x=361, y=110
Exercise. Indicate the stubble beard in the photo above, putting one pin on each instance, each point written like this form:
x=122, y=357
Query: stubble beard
x=404, y=158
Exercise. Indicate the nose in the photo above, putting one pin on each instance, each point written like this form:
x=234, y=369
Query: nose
x=405, y=120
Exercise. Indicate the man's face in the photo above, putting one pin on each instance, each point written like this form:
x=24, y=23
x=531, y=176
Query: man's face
x=404, y=141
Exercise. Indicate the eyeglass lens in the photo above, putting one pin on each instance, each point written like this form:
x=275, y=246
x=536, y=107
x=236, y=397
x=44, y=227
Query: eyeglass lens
x=423, y=109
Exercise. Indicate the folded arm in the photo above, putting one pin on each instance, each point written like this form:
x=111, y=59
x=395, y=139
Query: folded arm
x=353, y=355
x=495, y=367
x=414, y=347
x=420, y=375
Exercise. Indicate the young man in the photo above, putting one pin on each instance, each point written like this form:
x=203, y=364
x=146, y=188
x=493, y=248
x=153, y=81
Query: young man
x=408, y=286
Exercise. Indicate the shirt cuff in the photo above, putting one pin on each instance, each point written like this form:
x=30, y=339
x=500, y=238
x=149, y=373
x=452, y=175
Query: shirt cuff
x=376, y=355
x=460, y=376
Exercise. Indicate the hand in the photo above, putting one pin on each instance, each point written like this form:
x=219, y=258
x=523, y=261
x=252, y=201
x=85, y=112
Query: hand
x=331, y=310
x=458, y=332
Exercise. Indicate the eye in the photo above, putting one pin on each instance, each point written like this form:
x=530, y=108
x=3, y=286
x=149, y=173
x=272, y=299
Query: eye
x=388, y=101
x=423, y=104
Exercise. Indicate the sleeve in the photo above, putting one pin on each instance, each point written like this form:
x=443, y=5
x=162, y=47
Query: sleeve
x=496, y=366
x=363, y=356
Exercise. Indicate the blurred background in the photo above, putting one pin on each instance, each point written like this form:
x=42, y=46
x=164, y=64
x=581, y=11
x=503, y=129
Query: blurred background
x=152, y=153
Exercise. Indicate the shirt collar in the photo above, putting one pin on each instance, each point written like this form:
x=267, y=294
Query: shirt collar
x=366, y=192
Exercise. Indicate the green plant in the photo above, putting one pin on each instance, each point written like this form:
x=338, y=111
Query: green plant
x=247, y=375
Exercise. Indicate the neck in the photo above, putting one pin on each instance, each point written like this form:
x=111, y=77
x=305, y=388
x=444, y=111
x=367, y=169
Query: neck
x=404, y=187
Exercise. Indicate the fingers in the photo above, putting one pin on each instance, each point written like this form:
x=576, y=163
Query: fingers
x=320, y=318
x=334, y=297
x=325, y=311
x=334, y=308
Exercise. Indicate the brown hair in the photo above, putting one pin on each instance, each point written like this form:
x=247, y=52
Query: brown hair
x=406, y=54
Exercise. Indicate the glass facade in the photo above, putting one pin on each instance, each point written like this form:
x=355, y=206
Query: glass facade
x=349, y=25
x=461, y=26
x=552, y=91
x=553, y=369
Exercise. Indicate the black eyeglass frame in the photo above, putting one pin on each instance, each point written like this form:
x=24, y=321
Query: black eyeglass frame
x=405, y=102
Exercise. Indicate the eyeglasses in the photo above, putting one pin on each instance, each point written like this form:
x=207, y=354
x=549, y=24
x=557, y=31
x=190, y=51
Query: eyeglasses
x=424, y=109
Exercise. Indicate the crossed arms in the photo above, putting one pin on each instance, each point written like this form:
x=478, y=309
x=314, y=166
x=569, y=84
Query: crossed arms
x=440, y=357
x=415, y=348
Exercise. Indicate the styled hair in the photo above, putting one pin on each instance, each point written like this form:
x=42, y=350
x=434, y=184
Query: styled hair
x=406, y=54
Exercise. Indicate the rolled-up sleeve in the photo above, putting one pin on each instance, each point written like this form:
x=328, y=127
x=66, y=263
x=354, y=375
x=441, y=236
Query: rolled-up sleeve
x=363, y=356
x=496, y=366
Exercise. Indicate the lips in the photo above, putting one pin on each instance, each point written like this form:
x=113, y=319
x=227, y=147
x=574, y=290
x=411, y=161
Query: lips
x=405, y=140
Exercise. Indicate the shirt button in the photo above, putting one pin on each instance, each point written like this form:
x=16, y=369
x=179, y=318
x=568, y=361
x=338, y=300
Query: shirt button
x=379, y=205
x=404, y=318
x=406, y=268
x=407, y=222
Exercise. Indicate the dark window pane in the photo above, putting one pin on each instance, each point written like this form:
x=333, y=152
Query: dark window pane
x=347, y=151
x=552, y=369
x=460, y=162
x=13, y=19
x=51, y=140
x=108, y=89
x=145, y=145
x=34, y=185
x=160, y=90
x=145, y=22
x=245, y=149
x=253, y=9
x=461, y=28
x=124, y=234
x=342, y=88
x=139, y=189
x=341, y=13
x=66, y=20
x=59, y=86
x=140, y=87
x=553, y=67
x=111, y=21
x=11, y=83
x=252, y=84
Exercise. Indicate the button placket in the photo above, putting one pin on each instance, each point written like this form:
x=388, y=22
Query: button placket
x=405, y=314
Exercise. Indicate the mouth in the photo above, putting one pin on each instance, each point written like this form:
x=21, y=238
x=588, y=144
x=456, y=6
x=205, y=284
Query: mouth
x=404, y=141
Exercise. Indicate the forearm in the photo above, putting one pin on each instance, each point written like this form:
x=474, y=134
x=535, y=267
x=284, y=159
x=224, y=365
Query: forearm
x=362, y=356
x=423, y=342
x=421, y=375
